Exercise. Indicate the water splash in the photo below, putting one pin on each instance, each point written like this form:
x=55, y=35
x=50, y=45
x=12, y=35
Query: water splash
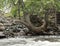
x=26, y=42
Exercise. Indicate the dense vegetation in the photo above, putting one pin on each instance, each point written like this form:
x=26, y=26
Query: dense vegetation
x=35, y=14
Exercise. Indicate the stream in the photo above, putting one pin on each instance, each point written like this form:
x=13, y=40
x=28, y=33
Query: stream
x=30, y=41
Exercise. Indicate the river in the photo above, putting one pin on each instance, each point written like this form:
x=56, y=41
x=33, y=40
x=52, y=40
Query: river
x=30, y=41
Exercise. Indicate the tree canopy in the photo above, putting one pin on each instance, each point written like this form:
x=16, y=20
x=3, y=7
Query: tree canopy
x=31, y=6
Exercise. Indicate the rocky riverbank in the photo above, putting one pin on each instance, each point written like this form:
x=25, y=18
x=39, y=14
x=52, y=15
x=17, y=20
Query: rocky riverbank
x=11, y=27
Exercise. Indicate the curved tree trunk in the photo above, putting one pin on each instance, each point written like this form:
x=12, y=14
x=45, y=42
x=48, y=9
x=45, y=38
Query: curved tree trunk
x=32, y=27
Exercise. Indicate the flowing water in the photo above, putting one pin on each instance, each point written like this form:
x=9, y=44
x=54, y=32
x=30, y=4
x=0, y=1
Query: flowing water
x=30, y=41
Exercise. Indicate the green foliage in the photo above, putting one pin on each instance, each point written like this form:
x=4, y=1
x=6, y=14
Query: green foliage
x=1, y=3
x=31, y=6
x=14, y=11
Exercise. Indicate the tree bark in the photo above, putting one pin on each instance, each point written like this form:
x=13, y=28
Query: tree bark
x=32, y=27
x=19, y=9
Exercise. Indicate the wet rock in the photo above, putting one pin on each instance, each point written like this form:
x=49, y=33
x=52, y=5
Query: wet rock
x=22, y=33
x=2, y=35
x=26, y=30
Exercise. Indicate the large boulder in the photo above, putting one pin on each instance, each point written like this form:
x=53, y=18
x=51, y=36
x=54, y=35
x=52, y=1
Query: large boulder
x=1, y=27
